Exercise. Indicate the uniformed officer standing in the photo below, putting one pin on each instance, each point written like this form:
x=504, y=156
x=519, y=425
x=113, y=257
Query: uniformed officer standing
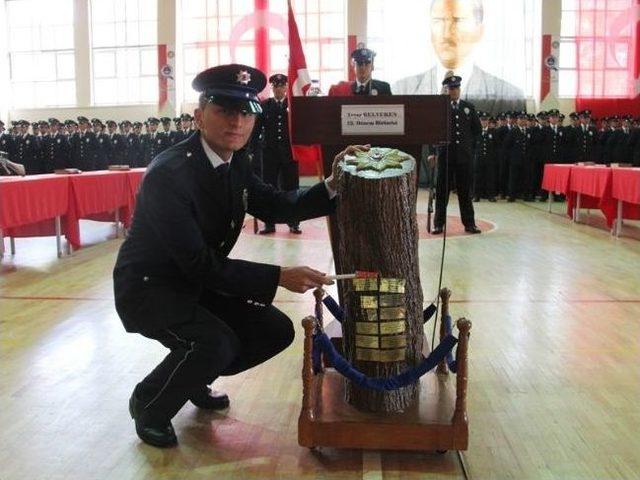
x=26, y=150
x=278, y=165
x=118, y=145
x=104, y=150
x=587, y=138
x=363, y=66
x=84, y=146
x=515, y=149
x=570, y=143
x=186, y=120
x=455, y=160
x=7, y=142
x=634, y=143
x=173, y=280
x=55, y=148
x=503, y=160
x=177, y=137
x=485, y=162
x=153, y=142
x=167, y=135
x=537, y=152
x=621, y=149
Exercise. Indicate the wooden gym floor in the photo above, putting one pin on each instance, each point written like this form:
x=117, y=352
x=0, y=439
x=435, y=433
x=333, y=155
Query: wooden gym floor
x=554, y=364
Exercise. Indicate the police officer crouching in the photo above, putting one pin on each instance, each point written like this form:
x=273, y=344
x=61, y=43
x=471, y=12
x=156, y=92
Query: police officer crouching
x=173, y=280
x=278, y=165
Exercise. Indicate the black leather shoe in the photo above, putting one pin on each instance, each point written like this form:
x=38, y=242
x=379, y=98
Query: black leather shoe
x=436, y=230
x=267, y=230
x=472, y=229
x=210, y=399
x=492, y=199
x=476, y=199
x=511, y=199
x=295, y=230
x=156, y=433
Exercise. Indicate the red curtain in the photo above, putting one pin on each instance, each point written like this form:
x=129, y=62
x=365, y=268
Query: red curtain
x=608, y=56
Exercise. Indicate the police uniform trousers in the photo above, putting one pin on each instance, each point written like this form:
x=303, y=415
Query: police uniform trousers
x=281, y=171
x=224, y=336
x=458, y=174
x=484, y=177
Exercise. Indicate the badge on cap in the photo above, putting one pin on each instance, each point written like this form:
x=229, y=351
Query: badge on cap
x=243, y=77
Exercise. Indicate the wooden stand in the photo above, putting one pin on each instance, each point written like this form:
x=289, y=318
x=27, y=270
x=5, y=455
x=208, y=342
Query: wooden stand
x=437, y=421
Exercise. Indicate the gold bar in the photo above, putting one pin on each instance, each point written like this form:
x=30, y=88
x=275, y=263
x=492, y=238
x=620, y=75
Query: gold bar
x=368, y=301
x=391, y=342
x=370, y=315
x=392, y=285
x=365, y=284
x=365, y=328
x=381, y=355
x=367, y=341
x=390, y=328
x=393, y=313
x=392, y=300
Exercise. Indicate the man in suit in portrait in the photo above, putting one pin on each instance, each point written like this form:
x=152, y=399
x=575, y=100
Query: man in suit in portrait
x=363, y=66
x=456, y=29
x=173, y=279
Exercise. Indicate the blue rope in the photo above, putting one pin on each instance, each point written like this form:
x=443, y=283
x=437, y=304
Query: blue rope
x=453, y=365
x=322, y=343
x=338, y=313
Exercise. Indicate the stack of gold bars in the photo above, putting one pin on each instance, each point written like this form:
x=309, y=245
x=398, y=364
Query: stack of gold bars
x=379, y=312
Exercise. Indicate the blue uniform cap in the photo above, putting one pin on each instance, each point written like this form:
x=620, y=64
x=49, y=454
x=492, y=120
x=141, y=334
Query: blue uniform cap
x=233, y=86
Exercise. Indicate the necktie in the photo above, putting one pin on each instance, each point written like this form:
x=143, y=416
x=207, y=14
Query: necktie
x=361, y=90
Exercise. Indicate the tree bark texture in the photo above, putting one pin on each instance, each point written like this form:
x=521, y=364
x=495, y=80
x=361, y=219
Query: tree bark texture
x=379, y=233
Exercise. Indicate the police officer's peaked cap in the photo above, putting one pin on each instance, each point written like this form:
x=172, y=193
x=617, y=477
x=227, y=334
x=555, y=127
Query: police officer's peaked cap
x=137, y=124
x=70, y=122
x=542, y=114
x=522, y=114
x=83, y=120
x=186, y=116
x=573, y=115
x=361, y=55
x=96, y=121
x=483, y=115
x=234, y=86
x=43, y=123
x=111, y=123
x=453, y=81
x=24, y=123
x=585, y=113
x=177, y=120
x=278, y=80
x=153, y=121
x=54, y=121
x=126, y=122
x=553, y=113
x=165, y=119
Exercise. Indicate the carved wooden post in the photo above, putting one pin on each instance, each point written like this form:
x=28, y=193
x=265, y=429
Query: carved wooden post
x=305, y=436
x=445, y=294
x=376, y=217
x=459, y=419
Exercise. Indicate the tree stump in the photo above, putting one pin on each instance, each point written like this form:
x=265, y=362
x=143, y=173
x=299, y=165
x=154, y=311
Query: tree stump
x=379, y=233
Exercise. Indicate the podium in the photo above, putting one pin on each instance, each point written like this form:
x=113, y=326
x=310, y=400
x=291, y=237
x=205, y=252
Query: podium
x=318, y=120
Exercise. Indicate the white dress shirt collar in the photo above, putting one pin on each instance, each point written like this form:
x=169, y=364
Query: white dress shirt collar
x=213, y=157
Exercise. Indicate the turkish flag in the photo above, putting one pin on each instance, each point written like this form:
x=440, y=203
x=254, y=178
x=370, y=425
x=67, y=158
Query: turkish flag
x=308, y=156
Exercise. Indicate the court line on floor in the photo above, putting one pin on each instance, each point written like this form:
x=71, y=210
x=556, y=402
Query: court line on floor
x=490, y=301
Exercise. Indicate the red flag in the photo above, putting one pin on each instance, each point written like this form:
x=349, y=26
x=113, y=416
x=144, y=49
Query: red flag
x=299, y=81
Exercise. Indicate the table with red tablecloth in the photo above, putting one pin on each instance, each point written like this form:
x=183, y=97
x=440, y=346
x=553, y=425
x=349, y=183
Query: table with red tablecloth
x=135, y=178
x=556, y=179
x=590, y=187
x=29, y=206
x=625, y=190
x=102, y=196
